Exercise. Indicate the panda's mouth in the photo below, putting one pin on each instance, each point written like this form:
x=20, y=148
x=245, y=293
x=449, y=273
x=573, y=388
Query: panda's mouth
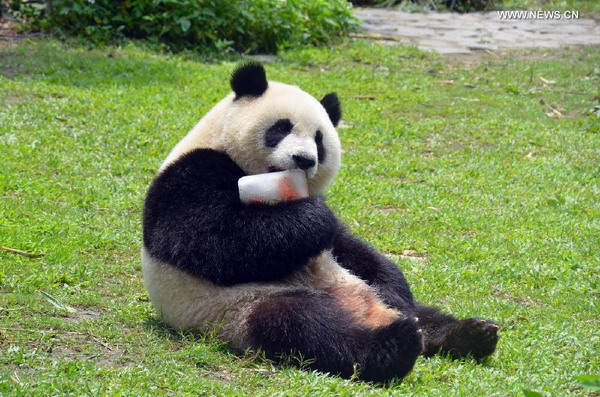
x=279, y=169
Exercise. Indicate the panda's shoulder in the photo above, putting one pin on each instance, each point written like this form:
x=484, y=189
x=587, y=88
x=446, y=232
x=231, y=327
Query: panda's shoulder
x=202, y=165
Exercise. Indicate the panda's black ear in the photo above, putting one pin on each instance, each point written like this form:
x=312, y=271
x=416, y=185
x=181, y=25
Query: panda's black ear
x=331, y=103
x=249, y=79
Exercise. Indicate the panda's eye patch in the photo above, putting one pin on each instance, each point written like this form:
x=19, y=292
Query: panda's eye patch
x=320, y=147
x=277, y=132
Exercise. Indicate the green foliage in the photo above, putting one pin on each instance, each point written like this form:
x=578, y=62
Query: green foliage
x=590, y=382
x=247, y=26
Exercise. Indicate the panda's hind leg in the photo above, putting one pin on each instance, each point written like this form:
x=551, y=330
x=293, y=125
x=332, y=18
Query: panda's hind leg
x=312, y=325
x=458, y=338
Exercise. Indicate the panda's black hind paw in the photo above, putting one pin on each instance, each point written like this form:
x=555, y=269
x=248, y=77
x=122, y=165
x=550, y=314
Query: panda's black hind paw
x=393, y=351
x=472, y=337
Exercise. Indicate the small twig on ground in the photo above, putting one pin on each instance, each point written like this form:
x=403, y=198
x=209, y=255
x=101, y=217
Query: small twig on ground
x=57, y=332
x=104, y=344
x=19, y=252
x=369, y=97
x=376, y=36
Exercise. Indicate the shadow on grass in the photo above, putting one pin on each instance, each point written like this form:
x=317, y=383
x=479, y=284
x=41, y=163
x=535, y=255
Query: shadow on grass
x=247, y=359
x=164, y=332
x=206, y=350
x=72, y=64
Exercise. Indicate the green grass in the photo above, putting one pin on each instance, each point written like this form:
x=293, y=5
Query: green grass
x=453, y=158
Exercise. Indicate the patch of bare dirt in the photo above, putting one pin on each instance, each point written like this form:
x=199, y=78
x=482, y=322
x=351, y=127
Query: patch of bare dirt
x=101, y=352
x=420, y=257
x=13, y=98
x=67, y=345
x=108, y=357
x=408, y=181
x=389, y=209
x=521, y=300
x=83, y=315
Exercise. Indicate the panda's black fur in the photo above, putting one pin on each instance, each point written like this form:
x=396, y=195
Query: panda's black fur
x=277, y=132
x=331, y=103
x=251, y=80
x=194, y=221
x=314, y=325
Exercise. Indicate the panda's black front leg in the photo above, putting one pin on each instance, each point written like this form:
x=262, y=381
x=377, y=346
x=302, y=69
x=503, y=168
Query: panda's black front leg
x=374, y=268
x=195, y=221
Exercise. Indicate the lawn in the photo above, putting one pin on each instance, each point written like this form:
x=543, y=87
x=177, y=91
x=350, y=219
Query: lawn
x=478, y=175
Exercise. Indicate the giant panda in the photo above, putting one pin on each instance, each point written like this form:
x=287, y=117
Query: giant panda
x=287, y=278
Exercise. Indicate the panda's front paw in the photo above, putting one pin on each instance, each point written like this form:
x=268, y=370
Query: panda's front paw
x=474, y=337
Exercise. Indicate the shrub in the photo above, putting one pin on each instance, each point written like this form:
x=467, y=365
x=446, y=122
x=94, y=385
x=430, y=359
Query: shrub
x=247, y=26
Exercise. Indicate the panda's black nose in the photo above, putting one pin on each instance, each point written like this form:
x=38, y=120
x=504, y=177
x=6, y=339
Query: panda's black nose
x=303, y=163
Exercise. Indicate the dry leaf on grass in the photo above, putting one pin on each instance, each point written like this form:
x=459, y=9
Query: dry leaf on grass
x=554, y=114
x=413, y=255
x=547, y=81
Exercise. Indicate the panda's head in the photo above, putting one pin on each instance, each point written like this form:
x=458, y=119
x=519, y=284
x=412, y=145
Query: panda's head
x=271, y=126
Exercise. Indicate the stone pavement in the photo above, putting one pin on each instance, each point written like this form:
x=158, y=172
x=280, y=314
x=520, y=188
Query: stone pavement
x=451, y=33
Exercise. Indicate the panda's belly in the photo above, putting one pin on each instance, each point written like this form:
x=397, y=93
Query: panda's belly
x=186, y=302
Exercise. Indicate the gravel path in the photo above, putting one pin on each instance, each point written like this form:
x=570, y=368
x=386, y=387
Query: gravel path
x=451, y=33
